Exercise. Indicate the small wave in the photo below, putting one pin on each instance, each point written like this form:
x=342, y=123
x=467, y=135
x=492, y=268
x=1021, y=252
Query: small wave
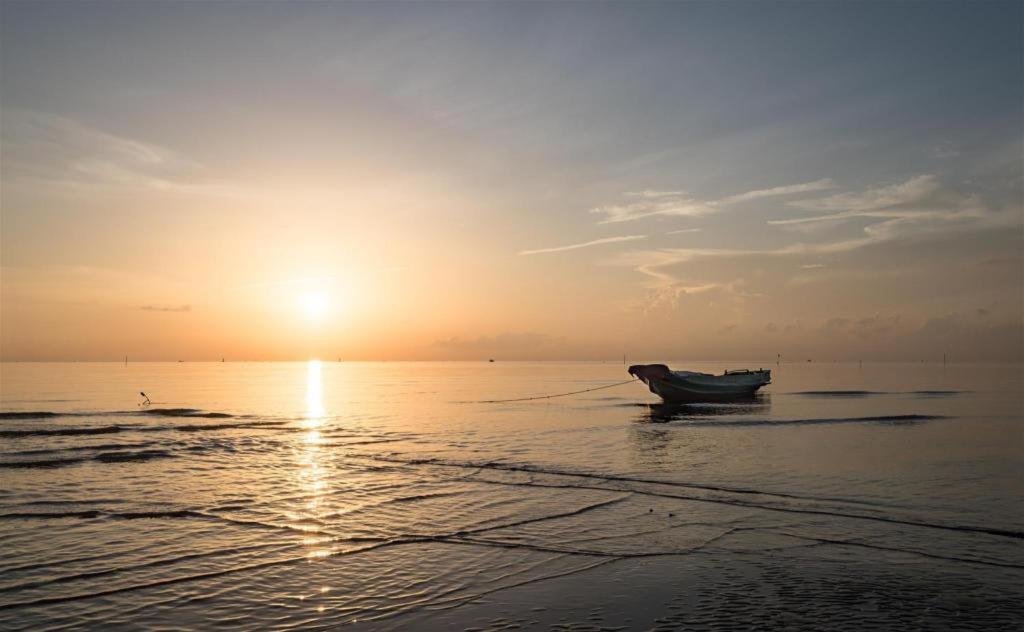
x=896, y=419
x=737, y=501
x=80, y=448
x=103, y=457
x=46, y=432
x=141, y=455
x=50, y=515
x=95, y=430
x=35, y=414
x=199, y=427
x=170, y=513
x=158, y=412
x=839, y=393
x=42, y=463
x=184, y=412
x=925, y=393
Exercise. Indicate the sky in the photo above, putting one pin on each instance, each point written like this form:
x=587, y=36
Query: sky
x=388, y=181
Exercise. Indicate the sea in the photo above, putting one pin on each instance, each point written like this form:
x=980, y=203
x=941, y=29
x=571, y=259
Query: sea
x=404, y=496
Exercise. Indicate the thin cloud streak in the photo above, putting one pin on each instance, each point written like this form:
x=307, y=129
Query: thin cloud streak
x=160, y=308
x=910, y=191
x=806, y=187
x=669, y=204
x=586, y=244
x=681, y=204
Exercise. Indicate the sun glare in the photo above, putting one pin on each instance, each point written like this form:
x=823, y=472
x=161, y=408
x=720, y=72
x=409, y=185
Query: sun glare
x=315, y=305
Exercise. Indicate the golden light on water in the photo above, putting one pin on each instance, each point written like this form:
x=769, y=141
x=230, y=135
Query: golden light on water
x=310, y=474
x=314, y=394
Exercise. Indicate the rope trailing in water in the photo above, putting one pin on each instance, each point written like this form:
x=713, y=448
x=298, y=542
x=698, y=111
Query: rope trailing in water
x=526, y=399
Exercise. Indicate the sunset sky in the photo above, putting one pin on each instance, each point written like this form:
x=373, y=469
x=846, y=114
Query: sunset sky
x=512, y=180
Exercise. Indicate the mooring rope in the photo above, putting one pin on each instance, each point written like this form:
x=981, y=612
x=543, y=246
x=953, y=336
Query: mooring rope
x=526, y=399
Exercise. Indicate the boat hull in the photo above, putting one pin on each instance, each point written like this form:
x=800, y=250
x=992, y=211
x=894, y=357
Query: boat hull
x=681, y=387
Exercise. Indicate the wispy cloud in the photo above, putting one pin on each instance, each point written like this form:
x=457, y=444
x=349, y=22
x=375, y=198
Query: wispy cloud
x=910, y=191
x=63, y=149
x=791, y=189
x=918, y=208
x=682, y=204
x=920, y=204
x=683, y=230
x=679, y=205
x=166, y=308
x=65, y=154
x=586, y=244
x=648, y=193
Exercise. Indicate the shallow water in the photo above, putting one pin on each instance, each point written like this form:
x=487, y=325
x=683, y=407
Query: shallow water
x=307, y=495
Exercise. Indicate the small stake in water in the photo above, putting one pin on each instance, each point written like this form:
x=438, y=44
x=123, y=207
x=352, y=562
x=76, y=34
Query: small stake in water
x=145, y=403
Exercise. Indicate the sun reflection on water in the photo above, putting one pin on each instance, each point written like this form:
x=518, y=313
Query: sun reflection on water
x=311, y=480
x=314, y=394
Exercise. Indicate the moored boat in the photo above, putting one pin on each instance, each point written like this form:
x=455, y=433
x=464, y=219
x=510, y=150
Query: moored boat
x=690, y=386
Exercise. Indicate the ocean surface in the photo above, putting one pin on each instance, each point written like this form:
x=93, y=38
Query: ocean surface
x=316, y=495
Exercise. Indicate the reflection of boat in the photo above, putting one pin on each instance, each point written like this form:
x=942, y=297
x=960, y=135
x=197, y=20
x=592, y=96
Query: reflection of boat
x=688, y=386
x=664, y=412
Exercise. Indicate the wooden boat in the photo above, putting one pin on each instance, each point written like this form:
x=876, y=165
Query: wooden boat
x=689, y=386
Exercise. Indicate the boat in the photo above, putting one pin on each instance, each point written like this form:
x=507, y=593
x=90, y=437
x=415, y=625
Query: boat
x=689, y=386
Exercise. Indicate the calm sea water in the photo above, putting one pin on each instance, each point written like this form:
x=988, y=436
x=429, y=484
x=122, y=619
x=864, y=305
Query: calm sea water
x=312, y=495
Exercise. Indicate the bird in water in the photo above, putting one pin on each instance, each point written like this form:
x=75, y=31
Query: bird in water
x=145, y=403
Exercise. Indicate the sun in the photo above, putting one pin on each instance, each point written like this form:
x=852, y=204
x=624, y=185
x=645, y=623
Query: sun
x=316, y=305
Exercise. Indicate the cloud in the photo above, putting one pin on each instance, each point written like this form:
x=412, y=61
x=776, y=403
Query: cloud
x=653, y=262
x=812, y=266
x=683, y=230
x=586, y=244
x=67, y=155
x=911, y=191
x=59, y=148
x=682, y=204
x=648, y=193
x=918, y=208
x=162, y=308
x=817, y=185
x=946, y=213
